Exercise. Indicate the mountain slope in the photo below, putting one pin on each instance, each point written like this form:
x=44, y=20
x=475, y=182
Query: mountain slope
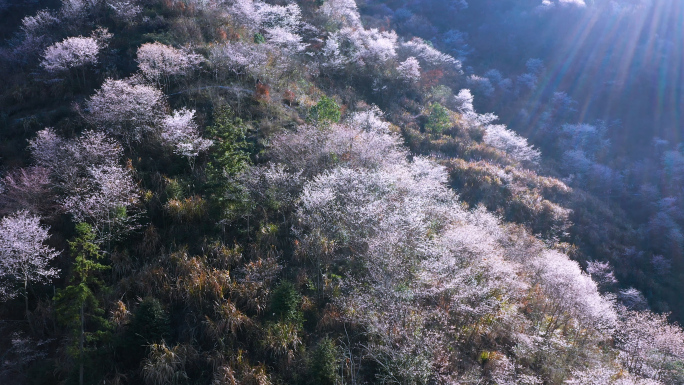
x=250, y=192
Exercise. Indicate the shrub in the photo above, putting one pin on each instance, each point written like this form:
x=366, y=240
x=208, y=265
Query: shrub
x=285, y=303
x=150, y=324
x=438, y=119
x=323, y=369
x=325, y=111
x=187, y=210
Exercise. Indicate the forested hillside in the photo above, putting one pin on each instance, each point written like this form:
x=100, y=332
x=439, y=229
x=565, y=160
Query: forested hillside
x=321, y=192
x=596, y=85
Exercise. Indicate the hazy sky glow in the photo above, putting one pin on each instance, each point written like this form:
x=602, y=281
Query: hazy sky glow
x=612, y=55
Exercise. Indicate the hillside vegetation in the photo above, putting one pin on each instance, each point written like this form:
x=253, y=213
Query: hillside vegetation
x=248, y=192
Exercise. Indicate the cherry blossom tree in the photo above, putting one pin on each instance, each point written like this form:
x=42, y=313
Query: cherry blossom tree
x=289, y=42
x=649, y=345
x=271, y=185
x=159, y=62
x=313, y=150
x=429, y=56
x=343, y=13
x=240, y=59
x=26, y=189
x=36, y=32
x=74, y=10
x=632, y=299
x=605, y=374
x=247, y=11
x=376, y=46
x=370, y=120
x=471, y=119
x=571, y=294
x=24, y=257
x=94, y=188
x=72, y=52
x=481, y=84
x=39, y=23
x=364, y=47
x=409, y=70
x=46, y=147
x=331, y=53
x=260, y=15
x=126, y=109
x=65, y=159
x=102, y=199
x=379, y=217
x=280, y=24
x=180, y=131
x=278, y=16
x=602, y=273
x=516, y=146
x=416, y=253
x=125, y=10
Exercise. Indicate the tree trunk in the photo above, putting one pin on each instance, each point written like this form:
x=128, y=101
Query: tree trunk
x=26, y=304
x=26, y=296
x=80, y=348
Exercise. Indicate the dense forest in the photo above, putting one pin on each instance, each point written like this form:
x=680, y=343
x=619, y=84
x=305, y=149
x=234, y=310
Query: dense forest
x=339, y=192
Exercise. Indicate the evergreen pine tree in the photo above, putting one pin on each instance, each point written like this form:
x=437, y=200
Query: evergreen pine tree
x=77, y=306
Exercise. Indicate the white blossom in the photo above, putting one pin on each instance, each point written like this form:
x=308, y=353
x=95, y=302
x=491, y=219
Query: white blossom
x=125, y=10
x=71, y=52
x=409, y=70
x=180, y=131
x=428, y=55
x=241, y=59
x=516, y=146
x=471, y=119
x=602, y=273
x=24, y=257
x=126, y=109
x=76, y=10
x=157, y=61
x=257, y=15
x=370, y=120
x=26, y=189
x=362, y=46
x=341, y=12
x=276, y=16
x=38, y=24
x=649, y=344
x=106, y=189
x=95, y=188
x=313, y=150
x=482, y=84
x=289, y=42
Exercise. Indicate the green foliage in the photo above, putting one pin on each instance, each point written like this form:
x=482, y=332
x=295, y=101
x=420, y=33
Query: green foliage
x=440, y=94
x=83, y=280
x=324, y=364
x=174, y=189
x=230, y=153
x=259, y=38
x=77, y=307
x=674, y=372
x=285, y=303
x=438, y=119
x=150, y=324
x=325, y=111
